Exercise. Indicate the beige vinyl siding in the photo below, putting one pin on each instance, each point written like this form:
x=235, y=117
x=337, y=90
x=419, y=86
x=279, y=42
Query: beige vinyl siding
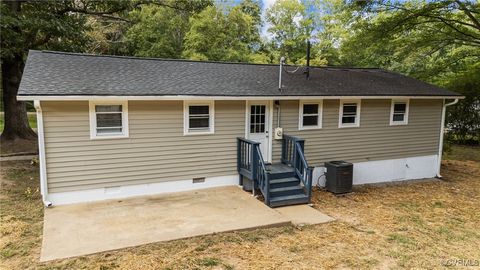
x=156, y=150
x=375, y=139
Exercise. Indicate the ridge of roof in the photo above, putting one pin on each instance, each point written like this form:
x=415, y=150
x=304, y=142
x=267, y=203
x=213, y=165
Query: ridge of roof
x=198, y=61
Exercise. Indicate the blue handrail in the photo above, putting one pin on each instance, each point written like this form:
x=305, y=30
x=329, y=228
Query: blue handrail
x=262, y=176
x=250, y=164
x=288, y=148
x=293, y=155
x=302, y=170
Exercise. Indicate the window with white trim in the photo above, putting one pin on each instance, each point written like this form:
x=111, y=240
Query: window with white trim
x=108, y=119
x=198, y=117
x=349, y=113
x=399, y=112
x=310, y=115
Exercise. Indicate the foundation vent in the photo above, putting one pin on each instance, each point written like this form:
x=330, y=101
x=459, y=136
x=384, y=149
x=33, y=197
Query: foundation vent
x=198, y=180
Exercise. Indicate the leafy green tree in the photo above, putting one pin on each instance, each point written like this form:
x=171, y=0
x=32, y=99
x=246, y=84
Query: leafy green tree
x=107, y=36
x=252, y=8
x=159, y=31
x=463, y=119
x=333, y=28
x=266, y=53
x=435, y=41
x=397, y=34
x=291, y=27
x=32, y=25
x=52, y=25
x=218, y=35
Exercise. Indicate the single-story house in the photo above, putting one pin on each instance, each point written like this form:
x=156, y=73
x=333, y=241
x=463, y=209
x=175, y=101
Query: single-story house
x=113, y=127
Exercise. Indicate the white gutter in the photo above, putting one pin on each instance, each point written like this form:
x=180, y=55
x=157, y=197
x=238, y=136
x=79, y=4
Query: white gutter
x=180, y=97
x=442, y=130
x=41, y=154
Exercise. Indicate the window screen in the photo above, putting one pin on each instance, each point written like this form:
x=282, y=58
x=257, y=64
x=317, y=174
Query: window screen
x=349, y=113
x=109, y=119
x=399, y=111
x=310, y=115
x=199, y=117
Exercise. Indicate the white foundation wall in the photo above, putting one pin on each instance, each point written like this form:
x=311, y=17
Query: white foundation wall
x=119, y=192
x=390, y=170
x=363, y=173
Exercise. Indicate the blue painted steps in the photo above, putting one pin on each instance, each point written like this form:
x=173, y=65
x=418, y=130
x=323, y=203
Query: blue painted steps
x=288, y=200
x=285, y=191
x=284, y=182
x=285, y=188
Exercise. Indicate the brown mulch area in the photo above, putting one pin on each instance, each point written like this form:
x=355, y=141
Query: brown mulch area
x=415, y=224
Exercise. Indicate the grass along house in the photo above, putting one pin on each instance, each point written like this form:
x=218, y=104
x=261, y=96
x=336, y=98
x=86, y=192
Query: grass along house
x=114, y=127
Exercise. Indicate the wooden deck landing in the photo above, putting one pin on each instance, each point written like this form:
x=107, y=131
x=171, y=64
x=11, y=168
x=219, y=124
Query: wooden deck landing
x=279, y=168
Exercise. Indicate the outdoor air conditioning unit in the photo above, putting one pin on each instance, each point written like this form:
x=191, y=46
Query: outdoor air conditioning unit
x=339, y=176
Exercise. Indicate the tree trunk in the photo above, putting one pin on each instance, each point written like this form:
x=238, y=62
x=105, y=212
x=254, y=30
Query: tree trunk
x=16, y=120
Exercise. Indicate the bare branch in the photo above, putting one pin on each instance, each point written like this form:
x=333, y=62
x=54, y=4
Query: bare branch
x=111, y=17
x=420, y=14
x=457, y=30
x=468, y=13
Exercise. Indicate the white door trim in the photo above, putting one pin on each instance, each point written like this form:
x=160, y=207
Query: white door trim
x=270, y=131
x=269, y=107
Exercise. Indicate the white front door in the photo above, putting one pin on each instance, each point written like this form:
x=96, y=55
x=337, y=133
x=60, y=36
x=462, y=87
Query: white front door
x=258, y=126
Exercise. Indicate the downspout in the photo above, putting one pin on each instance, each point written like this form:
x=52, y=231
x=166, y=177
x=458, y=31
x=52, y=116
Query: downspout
x=442, y=130
x=277, y=106
x=41, y=154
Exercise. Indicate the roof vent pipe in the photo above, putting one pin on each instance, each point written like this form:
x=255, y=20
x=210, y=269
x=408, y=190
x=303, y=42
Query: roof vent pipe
x=282, y=60
x=307, y=71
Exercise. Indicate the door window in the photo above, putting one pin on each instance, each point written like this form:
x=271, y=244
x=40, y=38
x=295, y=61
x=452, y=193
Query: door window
x=257, y=119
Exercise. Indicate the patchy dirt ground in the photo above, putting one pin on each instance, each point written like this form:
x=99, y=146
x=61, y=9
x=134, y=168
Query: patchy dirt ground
x=18, y=146
x=409, y=225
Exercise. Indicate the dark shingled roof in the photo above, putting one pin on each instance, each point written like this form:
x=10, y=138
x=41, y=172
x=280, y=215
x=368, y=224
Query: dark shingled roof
x=57, y=74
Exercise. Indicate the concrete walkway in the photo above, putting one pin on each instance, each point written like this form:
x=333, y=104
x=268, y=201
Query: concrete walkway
x=303, y=214
x=80, y=229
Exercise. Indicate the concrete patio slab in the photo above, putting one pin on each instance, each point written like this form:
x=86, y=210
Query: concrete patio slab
x=303, y=215
x=80, y=229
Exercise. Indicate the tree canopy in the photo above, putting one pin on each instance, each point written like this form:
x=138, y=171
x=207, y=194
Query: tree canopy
x=435, y=41
x=290, y=28
x=59, y=25
x=216, y=34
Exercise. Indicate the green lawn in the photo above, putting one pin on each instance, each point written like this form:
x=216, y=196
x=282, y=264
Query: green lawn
x=32, y=120
x=463, y=152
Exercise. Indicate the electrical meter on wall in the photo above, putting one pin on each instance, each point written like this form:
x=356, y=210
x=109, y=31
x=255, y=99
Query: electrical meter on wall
x=278, y=133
